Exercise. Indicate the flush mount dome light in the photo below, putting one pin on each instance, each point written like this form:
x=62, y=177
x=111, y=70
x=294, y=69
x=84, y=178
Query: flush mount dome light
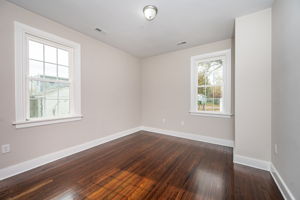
x=150, y=12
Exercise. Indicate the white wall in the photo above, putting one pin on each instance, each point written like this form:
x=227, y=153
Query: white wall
x=285, y=92
x=253, y=85
x=166, y=94
x=110, y=92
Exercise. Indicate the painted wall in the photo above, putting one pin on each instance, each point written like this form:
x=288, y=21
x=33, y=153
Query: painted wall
x=110, y=92
x=253, y=85
x=166, y=94
x=285, y=92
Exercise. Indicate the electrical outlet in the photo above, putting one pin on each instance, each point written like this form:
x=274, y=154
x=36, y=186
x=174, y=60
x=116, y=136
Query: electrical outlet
x=5, y=148
x=182, y=123
x=276, y=148
x=164, y=120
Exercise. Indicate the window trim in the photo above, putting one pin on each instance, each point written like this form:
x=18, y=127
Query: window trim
x=227, y=84
x=21, y=33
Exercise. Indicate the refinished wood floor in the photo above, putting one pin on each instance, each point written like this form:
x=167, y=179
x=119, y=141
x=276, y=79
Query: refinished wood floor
x=144, y=166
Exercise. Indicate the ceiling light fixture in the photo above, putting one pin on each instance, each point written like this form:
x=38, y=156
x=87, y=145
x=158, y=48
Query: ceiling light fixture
x=150, y=12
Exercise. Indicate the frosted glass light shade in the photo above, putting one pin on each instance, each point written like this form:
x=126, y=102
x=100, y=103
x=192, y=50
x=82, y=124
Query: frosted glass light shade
x=150, y=12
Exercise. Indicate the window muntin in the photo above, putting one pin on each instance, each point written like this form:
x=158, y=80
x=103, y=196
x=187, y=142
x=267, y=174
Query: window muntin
x=48, y=79
x=211, y=83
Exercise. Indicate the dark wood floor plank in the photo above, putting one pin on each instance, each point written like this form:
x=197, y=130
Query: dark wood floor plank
x=144, y=166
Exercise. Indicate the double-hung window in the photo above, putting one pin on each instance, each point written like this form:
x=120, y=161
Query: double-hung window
x=211, y=84
x=47, y=78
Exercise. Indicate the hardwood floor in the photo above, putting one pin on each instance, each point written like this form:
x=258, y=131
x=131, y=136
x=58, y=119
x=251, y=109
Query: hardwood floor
x=144, y=166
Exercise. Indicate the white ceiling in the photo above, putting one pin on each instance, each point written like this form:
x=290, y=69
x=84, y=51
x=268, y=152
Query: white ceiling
x=194, y=21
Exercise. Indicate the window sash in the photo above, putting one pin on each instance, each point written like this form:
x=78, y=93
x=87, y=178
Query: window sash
x=213, y=98
x=44, y=42
x=212, y=85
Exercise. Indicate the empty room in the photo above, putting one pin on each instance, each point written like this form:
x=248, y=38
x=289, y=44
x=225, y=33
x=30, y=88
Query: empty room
x=149, y=99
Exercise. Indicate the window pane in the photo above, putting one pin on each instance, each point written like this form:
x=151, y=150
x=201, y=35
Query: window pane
x=51, y=108
x=64, y=107
x=201, y=102
x=51, y=90
x=202, y=99
x=214, y=66
x=36, y=89
x=210, y=72
x=209, y=104
x=204, y=76
x=201, y=78
x=209, y=92
x=36, y=103
x=63, y=57
x=218, y=92
x=63, y=73
x=201, y=106
x=36, y=69
x=36, y=107
x=201, y=90
x=217, y=104
x=218, y=98
x=50, y=54
x=206, y=98
x=50, y=71
x=64, y=91
x=218, y=76
x=35, y=50
x=201, y=96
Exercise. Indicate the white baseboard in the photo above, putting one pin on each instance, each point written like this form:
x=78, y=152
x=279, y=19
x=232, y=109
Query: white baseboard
x=42, y=160
x=190, y=136
x=252, y=162
x=285, y=191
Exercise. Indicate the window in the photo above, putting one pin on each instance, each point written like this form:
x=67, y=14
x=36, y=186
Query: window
x=211, y=84
x=47, y=78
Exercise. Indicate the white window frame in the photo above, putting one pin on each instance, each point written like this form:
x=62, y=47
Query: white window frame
x=21, y=83
x=227, y=113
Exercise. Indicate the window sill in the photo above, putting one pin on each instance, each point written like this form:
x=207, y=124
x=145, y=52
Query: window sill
x=209, y=114
x=41, y=122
